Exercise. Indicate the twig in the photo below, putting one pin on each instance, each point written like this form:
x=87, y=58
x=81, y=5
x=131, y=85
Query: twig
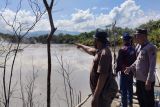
x=84, y=101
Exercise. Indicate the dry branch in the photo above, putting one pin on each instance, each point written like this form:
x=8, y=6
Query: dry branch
x=84, y=101
x=19, y=32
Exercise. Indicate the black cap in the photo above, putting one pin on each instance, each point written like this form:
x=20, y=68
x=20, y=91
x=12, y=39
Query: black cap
x=101, y=35
x=141, y=31
x=126, y=36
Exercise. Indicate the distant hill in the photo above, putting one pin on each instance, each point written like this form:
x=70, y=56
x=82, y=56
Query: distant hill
x=86, y=38
x=38, y=33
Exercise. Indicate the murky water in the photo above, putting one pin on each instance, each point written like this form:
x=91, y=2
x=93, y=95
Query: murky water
x=35, y=57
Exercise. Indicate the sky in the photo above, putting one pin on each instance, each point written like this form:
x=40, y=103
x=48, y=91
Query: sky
x=84, y=15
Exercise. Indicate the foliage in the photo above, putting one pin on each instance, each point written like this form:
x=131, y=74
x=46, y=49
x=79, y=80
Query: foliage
x=154, y=31
x=86, y=38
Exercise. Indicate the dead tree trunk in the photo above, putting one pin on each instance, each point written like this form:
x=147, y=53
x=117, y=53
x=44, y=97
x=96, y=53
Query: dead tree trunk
x=53, y=29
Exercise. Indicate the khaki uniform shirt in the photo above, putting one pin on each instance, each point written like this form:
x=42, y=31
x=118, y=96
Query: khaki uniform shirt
x=145, y=63
x=102, y=63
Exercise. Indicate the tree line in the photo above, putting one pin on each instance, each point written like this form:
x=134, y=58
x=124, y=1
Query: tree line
x=86, y=38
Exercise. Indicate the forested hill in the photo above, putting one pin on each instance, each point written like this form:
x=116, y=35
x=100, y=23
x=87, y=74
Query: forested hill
x=86, y=37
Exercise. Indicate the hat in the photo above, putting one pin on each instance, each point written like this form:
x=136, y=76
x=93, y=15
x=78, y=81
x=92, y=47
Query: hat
x=141, y=31
x=126, y=36
x=101, y=35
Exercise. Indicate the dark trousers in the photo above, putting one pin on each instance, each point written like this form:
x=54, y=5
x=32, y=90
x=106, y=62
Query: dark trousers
x=126, y=87
x=145, y=98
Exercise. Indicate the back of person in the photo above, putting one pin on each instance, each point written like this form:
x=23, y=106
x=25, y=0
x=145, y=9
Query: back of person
x=102, y=64
x=130, y=56
x=127, y=56
x=102, y=83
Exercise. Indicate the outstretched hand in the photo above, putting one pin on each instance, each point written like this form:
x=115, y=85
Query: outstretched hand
x=148, y=85
x=127, y=70
x=115, y=74
x=78, y=45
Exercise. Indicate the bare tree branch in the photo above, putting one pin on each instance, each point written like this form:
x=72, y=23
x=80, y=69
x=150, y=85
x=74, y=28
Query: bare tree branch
x=53, y=29
x=6, y=4
x=66, y=74
x=19, y=33
x=51, y=5
x=84, y=101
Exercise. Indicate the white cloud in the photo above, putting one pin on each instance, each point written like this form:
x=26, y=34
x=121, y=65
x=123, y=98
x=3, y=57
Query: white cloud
x=24, y=17
x=94, y=8
x=42, y=25
x=82, y=16
x=81, y=20
x=128, y=14
x=104, y=8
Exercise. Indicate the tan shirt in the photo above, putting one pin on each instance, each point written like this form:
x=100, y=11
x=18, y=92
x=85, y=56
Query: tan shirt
x=102, y=63
x=145, y=63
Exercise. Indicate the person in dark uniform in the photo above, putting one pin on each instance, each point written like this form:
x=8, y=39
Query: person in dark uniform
x=126, y=57
x=101, y=71
x=144, y=67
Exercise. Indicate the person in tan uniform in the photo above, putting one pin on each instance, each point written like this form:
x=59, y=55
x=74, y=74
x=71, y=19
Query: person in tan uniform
x=144, y=68
x=101, y=71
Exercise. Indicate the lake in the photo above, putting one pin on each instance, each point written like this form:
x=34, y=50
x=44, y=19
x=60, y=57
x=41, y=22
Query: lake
x=79, y=64
x=35, y=57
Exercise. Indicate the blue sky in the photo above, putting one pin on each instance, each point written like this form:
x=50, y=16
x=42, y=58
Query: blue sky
x=86, y=15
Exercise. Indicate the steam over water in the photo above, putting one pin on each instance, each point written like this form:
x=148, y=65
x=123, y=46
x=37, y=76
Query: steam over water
x=35, y=57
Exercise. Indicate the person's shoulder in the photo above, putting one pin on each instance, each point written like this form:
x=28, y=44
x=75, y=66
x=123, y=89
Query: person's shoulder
x=132, y=49
x=151, y=47
x=124, y=48
x=106, y=51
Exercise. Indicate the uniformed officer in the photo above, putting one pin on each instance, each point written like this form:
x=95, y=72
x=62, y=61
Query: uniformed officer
x=126, y=57
x=101, y=71
x=144, y=66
